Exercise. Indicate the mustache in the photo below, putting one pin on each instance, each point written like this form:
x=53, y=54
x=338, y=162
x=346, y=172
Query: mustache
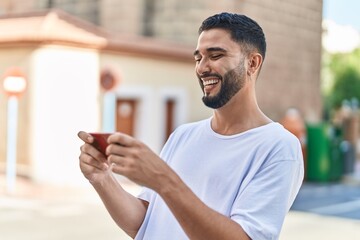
x=205, y=75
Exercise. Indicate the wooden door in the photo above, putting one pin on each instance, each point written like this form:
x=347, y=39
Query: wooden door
x=170, y=112
x=125, y=116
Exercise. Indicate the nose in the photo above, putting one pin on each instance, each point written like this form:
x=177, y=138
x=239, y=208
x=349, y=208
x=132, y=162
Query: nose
x=202, y=67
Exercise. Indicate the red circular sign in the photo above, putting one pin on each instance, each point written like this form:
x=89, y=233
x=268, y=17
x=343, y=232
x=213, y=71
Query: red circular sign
x=108, y=80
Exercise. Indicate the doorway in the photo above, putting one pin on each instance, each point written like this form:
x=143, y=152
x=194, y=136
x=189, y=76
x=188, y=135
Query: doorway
x=126, y=115
x=170, y=118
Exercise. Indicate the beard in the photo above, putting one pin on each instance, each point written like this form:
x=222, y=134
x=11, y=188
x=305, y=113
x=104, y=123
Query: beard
x=231, y=84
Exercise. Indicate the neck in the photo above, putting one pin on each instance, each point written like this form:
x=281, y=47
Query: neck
x=240, y=114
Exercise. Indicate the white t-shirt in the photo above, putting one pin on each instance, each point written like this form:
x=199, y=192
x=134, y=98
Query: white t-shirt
x=251, y=177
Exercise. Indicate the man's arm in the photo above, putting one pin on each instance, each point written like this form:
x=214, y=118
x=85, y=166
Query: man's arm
x=136, y=161
x=197, y=220
x=127, y=211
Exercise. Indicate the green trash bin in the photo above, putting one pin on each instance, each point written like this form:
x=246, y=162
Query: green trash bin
x=324, y=157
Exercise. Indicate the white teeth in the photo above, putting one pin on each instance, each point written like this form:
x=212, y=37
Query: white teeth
x=209, y=82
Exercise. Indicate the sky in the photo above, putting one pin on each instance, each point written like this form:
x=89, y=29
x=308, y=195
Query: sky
x=343, y=12
x=342, y=21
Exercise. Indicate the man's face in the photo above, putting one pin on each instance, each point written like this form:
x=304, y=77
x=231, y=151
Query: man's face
x=219, y=67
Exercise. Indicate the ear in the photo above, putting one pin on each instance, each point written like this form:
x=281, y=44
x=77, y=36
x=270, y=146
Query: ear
x=254, y=63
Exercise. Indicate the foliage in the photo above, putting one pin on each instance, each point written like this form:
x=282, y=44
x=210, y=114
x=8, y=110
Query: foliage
x=344, y=71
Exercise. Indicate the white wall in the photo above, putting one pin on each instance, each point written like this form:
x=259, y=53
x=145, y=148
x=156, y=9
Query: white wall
x=152, y=81
x=159, y=74
x=151, y=111
x=65, y=99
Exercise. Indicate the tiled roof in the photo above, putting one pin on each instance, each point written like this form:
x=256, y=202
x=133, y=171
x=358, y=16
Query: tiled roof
x=58, y=27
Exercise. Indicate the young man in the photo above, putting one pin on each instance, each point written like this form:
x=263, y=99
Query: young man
x=232, y=176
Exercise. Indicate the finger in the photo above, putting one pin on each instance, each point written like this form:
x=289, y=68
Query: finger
x=86, y=137
x=116, y=159
x=89, y=149
x=118, y=169
x=116, y=149
x=122, y=139
x=87, y=161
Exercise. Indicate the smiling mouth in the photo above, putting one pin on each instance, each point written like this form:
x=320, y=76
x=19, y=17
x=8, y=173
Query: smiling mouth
x=209, y=84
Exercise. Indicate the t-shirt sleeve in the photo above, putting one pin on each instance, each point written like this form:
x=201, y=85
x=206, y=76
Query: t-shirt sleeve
x=260, y=207
x=145, y=194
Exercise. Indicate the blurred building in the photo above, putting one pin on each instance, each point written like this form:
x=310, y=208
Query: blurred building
x=293, y=30
x=65, y=59
x=147, y=45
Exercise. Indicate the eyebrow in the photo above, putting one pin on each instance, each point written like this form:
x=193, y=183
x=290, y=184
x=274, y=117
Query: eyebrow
x=211, y=49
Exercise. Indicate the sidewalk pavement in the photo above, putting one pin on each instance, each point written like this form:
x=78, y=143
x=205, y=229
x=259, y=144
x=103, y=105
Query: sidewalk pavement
x=301, y=225
x=54, y=213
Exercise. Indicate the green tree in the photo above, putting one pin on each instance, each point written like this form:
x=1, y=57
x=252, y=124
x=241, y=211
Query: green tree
x=343, y=71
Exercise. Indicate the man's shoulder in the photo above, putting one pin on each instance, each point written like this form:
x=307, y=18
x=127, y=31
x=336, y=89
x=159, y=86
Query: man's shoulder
x=286, y=134
x=277, y=136
x=284, y=142
x=279, y=131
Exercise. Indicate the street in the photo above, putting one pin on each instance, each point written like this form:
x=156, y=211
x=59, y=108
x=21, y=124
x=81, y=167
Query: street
x=331, y=199
x=52, y=213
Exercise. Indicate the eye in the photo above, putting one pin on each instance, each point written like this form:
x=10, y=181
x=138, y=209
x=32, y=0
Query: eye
x=197, y=59
x=216, y=56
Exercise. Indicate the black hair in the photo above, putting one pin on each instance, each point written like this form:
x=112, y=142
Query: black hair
x=242, y=29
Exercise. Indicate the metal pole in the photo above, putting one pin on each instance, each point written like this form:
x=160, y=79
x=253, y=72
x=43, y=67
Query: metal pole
x=108, y=114
x=11, y=144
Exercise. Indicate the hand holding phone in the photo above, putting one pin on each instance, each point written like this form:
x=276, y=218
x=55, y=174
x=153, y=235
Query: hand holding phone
x=100, y=141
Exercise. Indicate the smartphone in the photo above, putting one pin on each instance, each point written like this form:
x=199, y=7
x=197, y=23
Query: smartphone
x=100, y=141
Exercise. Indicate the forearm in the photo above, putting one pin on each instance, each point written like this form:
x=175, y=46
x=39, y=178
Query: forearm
x=127, y=211
x=198, y=220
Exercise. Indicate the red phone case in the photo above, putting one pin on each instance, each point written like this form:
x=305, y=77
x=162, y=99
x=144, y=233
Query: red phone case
x=100, y=141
